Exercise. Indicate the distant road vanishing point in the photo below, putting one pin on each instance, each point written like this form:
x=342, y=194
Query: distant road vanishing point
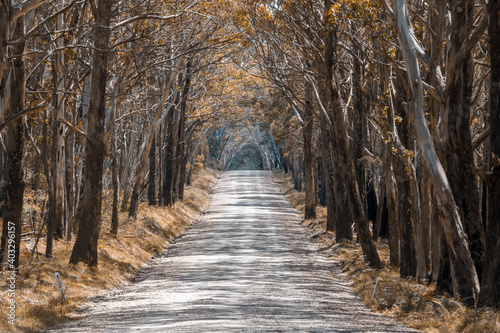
x=246, y=266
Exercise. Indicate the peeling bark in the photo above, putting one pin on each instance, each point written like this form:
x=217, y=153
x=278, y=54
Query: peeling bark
x=451, y=221
x=345, y=153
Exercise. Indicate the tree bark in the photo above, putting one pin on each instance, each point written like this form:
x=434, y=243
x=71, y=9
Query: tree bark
x=161, y=135
x=70, y=185
x=436, y=236
x=393, y=208
x=408, y=258
x=152, y=174
x=168, y=186
x=185, y=158
x=321, y=181
x=50, y=189
x=85, y=248
x=359, y=132
x=490, y=287
x=426, y=204
x=14, y=189
x=459, y=159
x=58, y=158
x=444, y=280
x=4, y=40
x=58, y=138
x=345, y=153
x=181, y=141
x=115, y=220
x=297, y=174
x=451, y=221
x=377, y=223
x=307, y=131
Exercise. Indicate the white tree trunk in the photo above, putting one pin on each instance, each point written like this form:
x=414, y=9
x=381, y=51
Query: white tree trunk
x=452, y=225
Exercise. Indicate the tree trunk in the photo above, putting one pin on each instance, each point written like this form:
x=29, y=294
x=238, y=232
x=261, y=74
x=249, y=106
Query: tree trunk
x=344, y=151
x=85, y=248
x=152, y=174
x=459, y=160
x=444, y=281
x=359, y=132
x=70, y=185
x=183, y=172
x=50, y=189
x=14, y=189
x=436, y=41
x=4, y=40
x=408, y=259
x=168, y=195
x=451, y=221
x=297, y=174
x=371, y=205
x=436, y=236
x=115, y=221
x=160, y=165
x=58, y=137
x=377, y=223
x=58, y=158
x=321, y=181
x=393, y=208
x=190, y=173
x=426, y=203
x=307, y=131
x=490, y=287
x=181, y=144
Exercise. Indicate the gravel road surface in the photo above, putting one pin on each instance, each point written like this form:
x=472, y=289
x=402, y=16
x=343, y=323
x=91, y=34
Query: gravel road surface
x=247, y=266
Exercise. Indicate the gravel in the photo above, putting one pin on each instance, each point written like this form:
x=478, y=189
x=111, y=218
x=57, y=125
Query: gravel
x=248, y=265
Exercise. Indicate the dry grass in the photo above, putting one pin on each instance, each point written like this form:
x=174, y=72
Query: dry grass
x=120, y=257
x=414, y=304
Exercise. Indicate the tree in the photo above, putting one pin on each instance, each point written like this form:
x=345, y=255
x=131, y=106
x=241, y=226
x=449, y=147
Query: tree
x=457, y=136
x=344, y=151
x=490, y=287
x=85, y=248
x=463, y=266
x=307, y=130
x=14, y=191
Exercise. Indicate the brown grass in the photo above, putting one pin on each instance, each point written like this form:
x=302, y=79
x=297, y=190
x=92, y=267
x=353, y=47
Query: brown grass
x=120, y=257
x=415, y=305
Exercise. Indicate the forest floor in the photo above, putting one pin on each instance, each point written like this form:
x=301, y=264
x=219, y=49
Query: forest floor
x=120, y=258
x=414, y=304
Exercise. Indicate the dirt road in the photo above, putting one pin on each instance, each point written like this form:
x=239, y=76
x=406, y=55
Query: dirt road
x=247, y=266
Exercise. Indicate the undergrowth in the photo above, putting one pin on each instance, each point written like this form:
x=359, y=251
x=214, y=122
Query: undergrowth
x=416, y=305
x=38, y=300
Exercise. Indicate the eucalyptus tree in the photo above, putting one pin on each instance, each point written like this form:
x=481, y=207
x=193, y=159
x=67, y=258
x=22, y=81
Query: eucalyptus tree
x=292, y=43
x=12, y=107
x=85, y=247
x=463, y=265
x=284, y=64
x=490, y=286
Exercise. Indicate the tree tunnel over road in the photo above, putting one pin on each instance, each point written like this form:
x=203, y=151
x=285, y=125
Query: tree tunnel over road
x=244, y=147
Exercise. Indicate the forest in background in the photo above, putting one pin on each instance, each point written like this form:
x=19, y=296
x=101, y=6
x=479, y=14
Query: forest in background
x=385, y=113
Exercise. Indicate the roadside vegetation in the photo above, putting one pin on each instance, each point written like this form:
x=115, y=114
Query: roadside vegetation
x=39, y=303
x=414, y=304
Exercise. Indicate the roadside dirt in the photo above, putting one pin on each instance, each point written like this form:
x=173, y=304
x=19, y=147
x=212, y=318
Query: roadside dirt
x=247, y=266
